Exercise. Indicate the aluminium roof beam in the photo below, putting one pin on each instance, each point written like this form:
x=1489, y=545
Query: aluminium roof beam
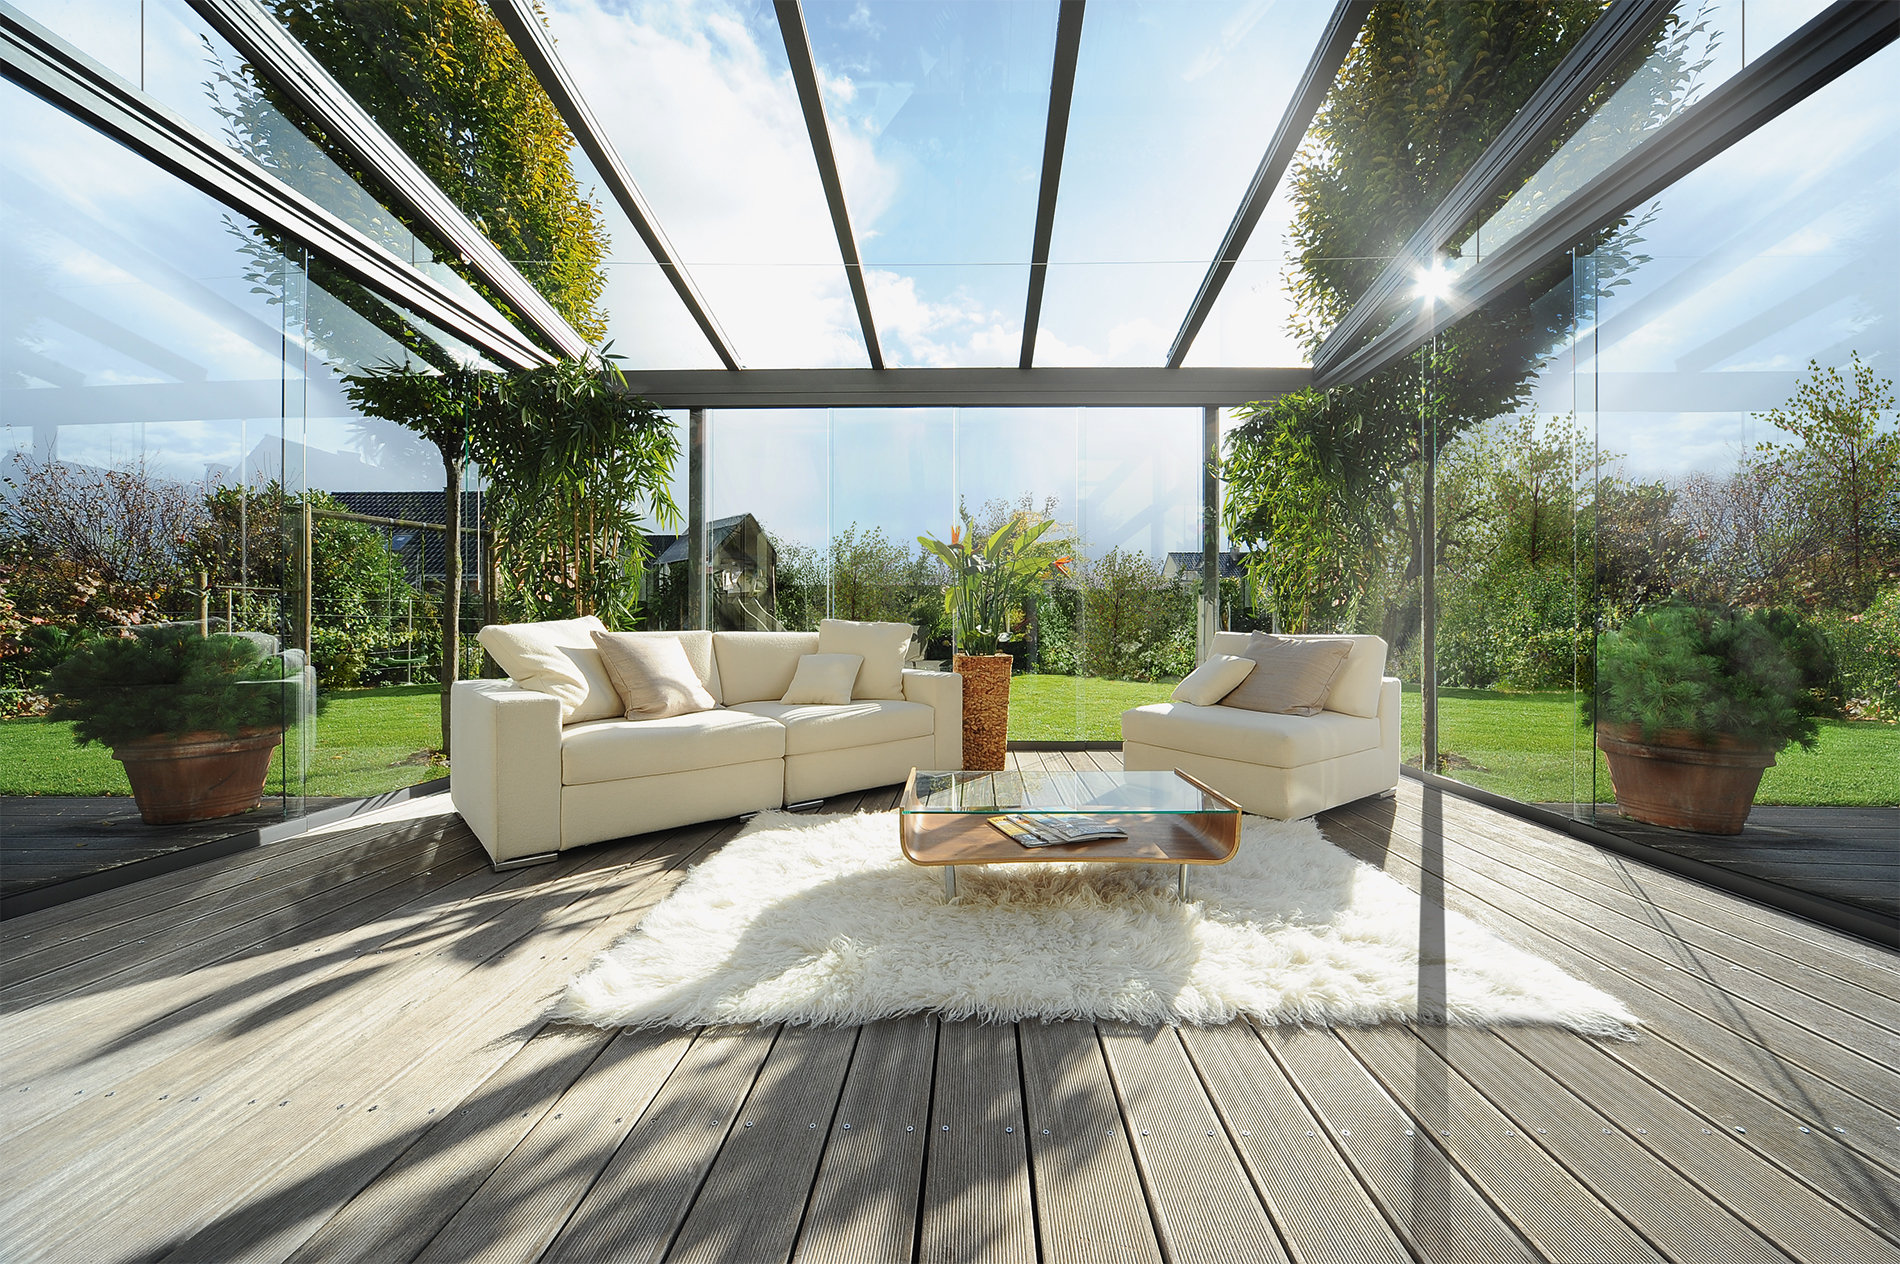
x=531, y=39
x=60, y=74
x=791, y=25
x=1836, y=40
x=1611, y=39
x=1136, y=387
x=277, y=55
x=1055, y=138
x=1334, y=43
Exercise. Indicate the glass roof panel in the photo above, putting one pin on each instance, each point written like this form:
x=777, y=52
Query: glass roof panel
x=937, y=113
x=1251, y=322
x=648, y=326
x=1174, y=106
x=697, y=98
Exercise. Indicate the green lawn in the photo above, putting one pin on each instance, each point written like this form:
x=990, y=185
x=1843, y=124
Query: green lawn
x=369, y=741
x=1530, y=746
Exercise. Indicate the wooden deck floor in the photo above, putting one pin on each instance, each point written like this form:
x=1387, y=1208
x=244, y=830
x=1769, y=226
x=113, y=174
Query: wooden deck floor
x=332, y=1049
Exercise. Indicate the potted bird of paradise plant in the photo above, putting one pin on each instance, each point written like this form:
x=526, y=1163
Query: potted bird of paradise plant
x=991, y=577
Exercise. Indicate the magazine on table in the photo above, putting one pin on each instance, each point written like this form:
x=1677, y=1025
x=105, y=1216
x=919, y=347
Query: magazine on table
x=1042, y=829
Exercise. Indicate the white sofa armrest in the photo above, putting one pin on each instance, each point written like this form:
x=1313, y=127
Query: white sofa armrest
x=942, y=692
x=505, y=766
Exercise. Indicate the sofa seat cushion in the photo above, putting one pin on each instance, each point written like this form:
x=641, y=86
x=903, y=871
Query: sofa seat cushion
x=1250, y=737
x=611, y=750
x=868, y=722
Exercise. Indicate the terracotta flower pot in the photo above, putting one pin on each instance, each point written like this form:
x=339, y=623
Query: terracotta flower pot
x=1681, y=783
x=985, y=709
x=198, y=776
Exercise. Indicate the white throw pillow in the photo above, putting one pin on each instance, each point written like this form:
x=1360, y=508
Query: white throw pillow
x=823, y=679
x=652, y=674
x=1213, y=680
x=556, y=657
x=881, y=645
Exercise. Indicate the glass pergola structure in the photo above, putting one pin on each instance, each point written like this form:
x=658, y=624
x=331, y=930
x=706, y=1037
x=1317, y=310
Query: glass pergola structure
x=885, y=259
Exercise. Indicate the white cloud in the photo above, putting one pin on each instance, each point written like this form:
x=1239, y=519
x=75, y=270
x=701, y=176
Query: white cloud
x=705, y=116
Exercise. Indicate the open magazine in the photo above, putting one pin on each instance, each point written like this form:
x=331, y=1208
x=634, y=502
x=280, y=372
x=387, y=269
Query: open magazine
x=1041, y=829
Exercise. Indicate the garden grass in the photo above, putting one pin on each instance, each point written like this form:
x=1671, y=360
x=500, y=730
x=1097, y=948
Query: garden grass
x=369, y=742
x=1530, y=746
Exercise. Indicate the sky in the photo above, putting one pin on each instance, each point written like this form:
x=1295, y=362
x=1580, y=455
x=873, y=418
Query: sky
x=1781, y=249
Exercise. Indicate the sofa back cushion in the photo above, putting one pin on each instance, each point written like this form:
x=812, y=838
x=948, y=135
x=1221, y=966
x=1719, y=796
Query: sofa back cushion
x=758, y=666
x=882, y=646
x=1355, y=690
x=556, y=657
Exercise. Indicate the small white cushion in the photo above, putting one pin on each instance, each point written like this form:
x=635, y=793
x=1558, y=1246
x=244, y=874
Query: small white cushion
x=1212, y=680
x=556, y=657
x=652, y=675
x=881, y=645
x=823, y=680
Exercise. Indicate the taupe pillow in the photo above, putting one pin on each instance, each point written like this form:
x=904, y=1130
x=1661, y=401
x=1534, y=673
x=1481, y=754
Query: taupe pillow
x=1290, y=676
x=823, y=679
x=652, y=675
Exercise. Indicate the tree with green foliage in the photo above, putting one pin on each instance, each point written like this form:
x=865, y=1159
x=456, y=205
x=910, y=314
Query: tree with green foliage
x=1422, y=93
x=443, y=78
x=574, y=462
x=1840, y=485
x=873, y=577
x=356, y=581
x=447, y=407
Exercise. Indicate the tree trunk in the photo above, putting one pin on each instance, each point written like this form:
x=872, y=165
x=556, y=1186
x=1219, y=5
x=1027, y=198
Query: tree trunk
x=451, y=582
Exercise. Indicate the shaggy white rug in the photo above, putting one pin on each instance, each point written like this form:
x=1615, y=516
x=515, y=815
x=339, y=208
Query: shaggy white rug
x=820, y=919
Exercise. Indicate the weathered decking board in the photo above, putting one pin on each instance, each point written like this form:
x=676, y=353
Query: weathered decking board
x=335, y=1049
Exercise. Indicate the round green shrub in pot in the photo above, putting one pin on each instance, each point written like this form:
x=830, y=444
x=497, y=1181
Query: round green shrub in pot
x=193, y=718
x=1692, y=704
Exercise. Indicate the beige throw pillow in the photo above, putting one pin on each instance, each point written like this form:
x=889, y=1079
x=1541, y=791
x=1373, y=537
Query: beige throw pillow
x=556, y=657
x=1290, y=676
x=881, y=645
x=823, y=679
x=652, y=674
x=1212, y=680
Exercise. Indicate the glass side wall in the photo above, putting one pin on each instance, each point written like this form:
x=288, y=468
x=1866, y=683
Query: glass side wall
x=1702, y=458
x=1102, y=614
x=178, y=449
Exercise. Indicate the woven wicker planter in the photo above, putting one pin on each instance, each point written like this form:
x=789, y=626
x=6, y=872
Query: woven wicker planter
x=1680, y=783
x=198, y=776
x=985, y=709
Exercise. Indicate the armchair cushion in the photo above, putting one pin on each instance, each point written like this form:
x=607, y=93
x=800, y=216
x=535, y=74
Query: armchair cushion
x=1290, y=677
x=1252, y=737
x=1212, y=680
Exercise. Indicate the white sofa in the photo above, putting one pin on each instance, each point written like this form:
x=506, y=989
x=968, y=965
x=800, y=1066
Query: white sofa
x=1284, y=766
x=530, y=786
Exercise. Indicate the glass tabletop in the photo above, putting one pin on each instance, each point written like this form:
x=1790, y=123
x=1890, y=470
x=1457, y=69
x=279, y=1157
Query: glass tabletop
x=1159, y=793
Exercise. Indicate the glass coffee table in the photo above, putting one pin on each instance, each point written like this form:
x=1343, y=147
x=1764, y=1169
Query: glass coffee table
x=1170, y=819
